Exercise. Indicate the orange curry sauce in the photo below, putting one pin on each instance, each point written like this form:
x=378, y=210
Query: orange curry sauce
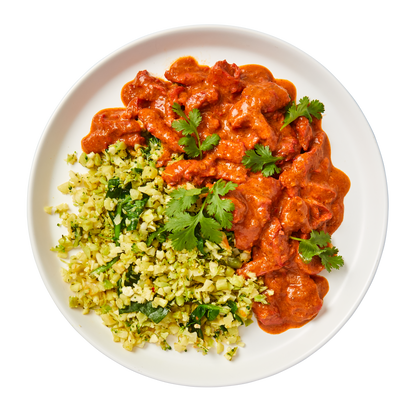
x=244, y=106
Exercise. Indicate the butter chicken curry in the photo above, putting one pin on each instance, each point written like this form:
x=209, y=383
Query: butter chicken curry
x=246, y=107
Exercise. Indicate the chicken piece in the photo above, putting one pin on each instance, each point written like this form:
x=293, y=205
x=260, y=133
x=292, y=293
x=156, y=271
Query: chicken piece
x=320, y=214
x=201, y=98
x=145, y=87
x=223, y=162
x=241, y=209
x=254, y=73
x=304, y=132
x=295, y=301
x=174, y=94
x=271, y=252
x=295, y=216
x=288, y=147
x=255, y=101
x=155, y=124
x=109, y=126
x=174, y=173
x=302, y=299
x=313, y=267
x=322, y=193
x=187, y=71
x=230, y=171
x=267, y=97
x=190, y=170
x=230, y=151
x=304, y=165
x=259, y=193
x=226, y=77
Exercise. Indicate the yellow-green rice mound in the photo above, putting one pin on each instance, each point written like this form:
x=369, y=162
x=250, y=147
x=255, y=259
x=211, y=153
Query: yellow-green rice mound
x=120, y=264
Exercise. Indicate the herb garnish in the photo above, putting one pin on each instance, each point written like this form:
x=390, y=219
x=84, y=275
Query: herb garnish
x=128, y=211
x=129, y=279
x=152, y=142
x=160, y=234
x=190, y=229
x=105, y=267
x=209, y=311
x=188, y=126
x=234, y=308
x=261, y=159
x=317, y=244
x=304, y=109
x=155, y=314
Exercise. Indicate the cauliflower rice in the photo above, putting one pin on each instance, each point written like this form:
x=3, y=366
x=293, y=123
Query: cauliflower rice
x=141, y=269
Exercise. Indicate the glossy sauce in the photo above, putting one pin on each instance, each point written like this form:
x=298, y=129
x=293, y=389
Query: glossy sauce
x=245, y=106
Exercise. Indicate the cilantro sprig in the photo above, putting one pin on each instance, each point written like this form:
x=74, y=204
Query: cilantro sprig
x=261, y=159
x=189, y=127
x=189, y=230
x=305, y=108
x=317, y=244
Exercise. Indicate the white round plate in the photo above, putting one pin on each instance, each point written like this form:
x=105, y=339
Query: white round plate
x=360, y=238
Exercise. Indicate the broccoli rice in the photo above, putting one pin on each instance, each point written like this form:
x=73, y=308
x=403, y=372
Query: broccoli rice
x=120, y=264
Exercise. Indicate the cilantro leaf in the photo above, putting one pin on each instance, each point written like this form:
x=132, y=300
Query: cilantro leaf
x=330, y=260
x=195, y=117
x=261, y=159
x=183, y=229
x=317, y=245
x=210, y=142
x=269, y=169
x=222, y=187
x=190, y=146
x=189, y=128
x=221, y=209
x=182, y=200
x=189, y=230
x=183, y=126
x=200, y=242
x=183, y=239
x=315, y=109
x=210, y=229
x=294, y=111
x=305, y=108
x=178, y=110
x=178, y=223
x=308, y=250
x=320, y=238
